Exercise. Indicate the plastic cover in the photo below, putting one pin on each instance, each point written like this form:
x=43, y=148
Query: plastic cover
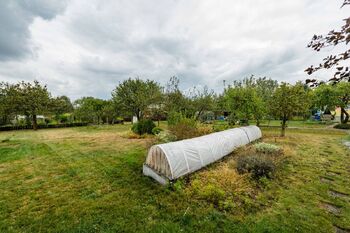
x=189, y=155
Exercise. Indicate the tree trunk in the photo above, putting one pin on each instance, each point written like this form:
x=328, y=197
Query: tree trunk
x=341, y=115
x=138, y=115
x=283, y=129
x=345, y=119
x=35, y=124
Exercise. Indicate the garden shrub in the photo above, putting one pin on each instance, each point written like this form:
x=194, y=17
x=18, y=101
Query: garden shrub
x=258, y=166
x=156, y=130
x=174, y=117
x=342, y=126
x=267, y=148
x=143, y=127
x=185, y=128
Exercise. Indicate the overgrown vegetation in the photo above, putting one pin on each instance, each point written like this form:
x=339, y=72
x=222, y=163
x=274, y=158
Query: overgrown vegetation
x=259, y=166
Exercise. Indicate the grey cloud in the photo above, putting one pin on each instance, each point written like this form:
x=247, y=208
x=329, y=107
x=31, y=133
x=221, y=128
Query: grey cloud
x=43, y=8
x=15, y=18
x=93, y=45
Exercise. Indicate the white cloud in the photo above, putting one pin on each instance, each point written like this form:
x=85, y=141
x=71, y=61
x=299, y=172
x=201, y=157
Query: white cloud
x=86, y=47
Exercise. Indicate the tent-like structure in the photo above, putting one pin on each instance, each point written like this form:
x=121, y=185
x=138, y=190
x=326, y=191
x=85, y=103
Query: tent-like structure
x=172, y=160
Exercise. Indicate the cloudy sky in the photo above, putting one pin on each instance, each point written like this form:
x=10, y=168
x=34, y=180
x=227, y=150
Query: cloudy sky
x=86, y=47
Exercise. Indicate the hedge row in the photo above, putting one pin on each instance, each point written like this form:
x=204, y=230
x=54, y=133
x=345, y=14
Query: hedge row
x=49, y=126
x=342, y=126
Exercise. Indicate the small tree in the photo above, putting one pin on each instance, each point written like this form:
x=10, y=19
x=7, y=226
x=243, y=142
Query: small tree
x=89, y=109
x=136, y=95
x=174, y=100
x=9, y=102
x=110, y=111
x=261, y=90
x=29, y=99
x=61, y=105
x=244, y=103
x=329, y=96
x=288, y=101
x=343, y=89
x=201, y=101
x=325, y=97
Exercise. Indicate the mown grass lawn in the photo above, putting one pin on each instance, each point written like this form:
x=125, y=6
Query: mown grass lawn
x=90, y=179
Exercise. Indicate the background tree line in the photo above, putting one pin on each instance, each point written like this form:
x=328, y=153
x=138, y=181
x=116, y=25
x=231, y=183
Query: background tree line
x=242, y=102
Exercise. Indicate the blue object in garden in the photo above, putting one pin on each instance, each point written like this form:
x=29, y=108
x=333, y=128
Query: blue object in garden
x=317, y=116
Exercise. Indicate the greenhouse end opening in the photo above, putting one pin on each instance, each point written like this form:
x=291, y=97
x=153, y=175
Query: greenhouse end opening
x=169, y=161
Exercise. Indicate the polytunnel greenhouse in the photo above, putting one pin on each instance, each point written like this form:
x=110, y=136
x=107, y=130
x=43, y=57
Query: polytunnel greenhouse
x=169, y=161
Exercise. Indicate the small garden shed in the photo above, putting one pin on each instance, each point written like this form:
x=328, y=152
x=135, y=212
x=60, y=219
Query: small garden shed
x=172, y=160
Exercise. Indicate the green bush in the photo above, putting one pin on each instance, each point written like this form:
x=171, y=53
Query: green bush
x=164, y=137
x=156, y=130
x=267, y=148
x=342, y=126
x=41, y=126
x=143, y=127
x=64, y=118
x=185, y=128
x=258, y=166
x=174, y=117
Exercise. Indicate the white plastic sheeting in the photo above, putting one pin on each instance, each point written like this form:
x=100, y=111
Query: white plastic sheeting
x=189, y=155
